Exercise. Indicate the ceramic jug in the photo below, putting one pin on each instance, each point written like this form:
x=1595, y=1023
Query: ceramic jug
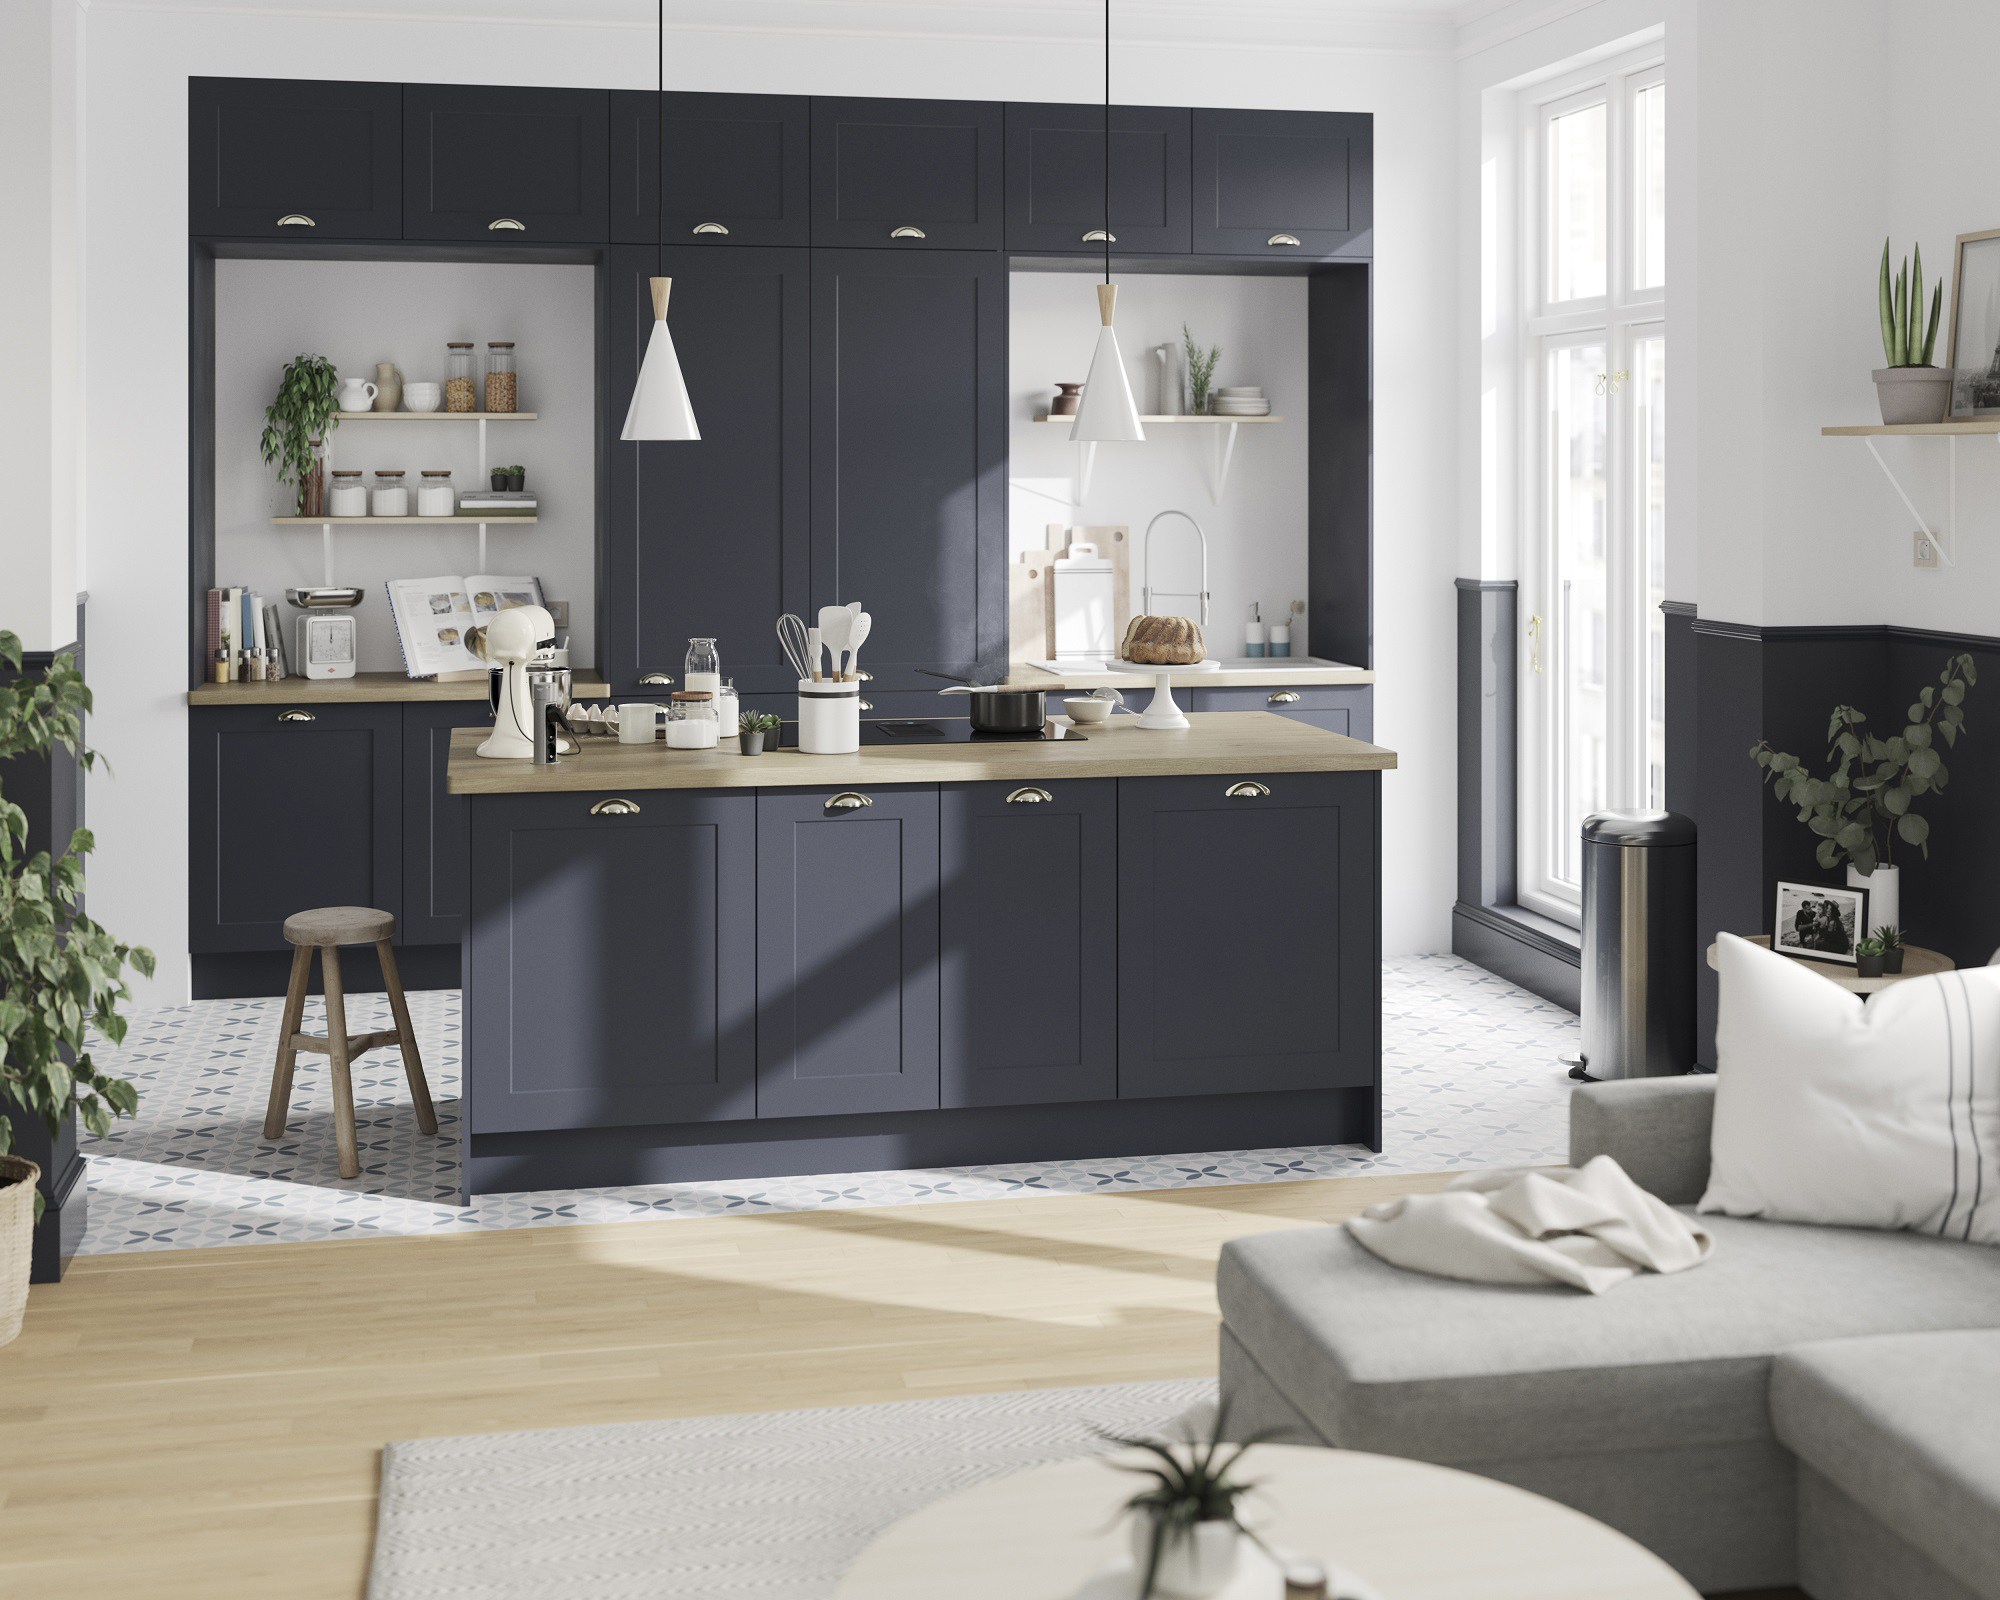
x=354, y=394
x=388, y=386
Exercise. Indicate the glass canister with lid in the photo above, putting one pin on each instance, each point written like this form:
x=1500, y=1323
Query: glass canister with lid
x=500, y=386
x=703, y=667
x=389, y=498
x=347, y=495
x=691, y=721
x=458, y=395
x=434, y=493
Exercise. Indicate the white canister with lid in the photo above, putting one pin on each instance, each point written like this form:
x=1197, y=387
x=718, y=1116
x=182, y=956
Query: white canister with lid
x=829, y=718
x=348, y=495
x=389, y=498
x=691, y=723
x=434, y=493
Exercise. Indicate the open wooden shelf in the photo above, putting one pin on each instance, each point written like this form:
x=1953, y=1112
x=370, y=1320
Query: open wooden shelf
x=394, y=522
x=439, y=416
x=1212, y=421
x=1960, y=425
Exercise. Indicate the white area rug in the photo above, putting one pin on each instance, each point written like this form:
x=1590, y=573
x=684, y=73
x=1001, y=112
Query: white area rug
x=1469, y=1068
x=770, y=1506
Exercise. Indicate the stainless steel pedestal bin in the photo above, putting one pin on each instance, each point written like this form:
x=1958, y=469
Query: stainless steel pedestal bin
x=1638, y=945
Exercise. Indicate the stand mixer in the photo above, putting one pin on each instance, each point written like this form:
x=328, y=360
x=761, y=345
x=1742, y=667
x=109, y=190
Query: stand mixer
x=521, y=642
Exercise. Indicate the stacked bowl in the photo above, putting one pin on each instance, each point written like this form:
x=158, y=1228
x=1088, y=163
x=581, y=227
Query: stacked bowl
x=1242, y=401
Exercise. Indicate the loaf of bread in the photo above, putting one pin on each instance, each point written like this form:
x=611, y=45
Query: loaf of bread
x=1163, y=642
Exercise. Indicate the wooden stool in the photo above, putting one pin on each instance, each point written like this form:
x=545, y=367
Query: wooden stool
x=327, y=929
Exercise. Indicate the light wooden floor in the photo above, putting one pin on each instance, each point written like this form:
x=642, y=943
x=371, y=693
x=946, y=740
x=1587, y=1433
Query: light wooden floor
x=207, y=1422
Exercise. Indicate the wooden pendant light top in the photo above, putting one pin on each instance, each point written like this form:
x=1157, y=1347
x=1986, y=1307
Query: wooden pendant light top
x=1107, y=298
x=662, y=287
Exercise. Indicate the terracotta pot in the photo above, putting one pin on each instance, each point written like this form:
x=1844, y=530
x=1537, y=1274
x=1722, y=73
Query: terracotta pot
x=18, y=1178
x=1913, y=394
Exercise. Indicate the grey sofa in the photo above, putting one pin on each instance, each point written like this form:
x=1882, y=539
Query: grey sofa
x=1813, y=1405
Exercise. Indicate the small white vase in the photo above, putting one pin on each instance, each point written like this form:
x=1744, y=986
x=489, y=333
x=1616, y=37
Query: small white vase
x=1885, y=896
x=1192, y=1567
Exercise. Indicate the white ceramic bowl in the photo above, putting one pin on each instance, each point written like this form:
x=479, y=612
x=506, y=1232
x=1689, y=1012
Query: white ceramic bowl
x=422, y=396
x=1085, y=709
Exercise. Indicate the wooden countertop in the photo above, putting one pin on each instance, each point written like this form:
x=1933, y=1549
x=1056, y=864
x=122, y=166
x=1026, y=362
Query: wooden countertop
x=363, y=686
x=1277, y=673
x=1234, y=742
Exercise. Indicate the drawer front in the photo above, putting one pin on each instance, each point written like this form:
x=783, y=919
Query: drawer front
x=1347, y=709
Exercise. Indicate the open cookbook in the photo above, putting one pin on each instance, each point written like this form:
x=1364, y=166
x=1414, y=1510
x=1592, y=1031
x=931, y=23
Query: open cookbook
x=432, y=617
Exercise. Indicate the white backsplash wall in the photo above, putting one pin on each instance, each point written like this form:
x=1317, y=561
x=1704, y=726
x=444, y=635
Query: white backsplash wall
x=1257, y=535
x=357, y=313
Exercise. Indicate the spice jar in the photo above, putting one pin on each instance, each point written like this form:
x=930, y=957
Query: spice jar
x=458, y=376
x=500, y=375
x=691, y=723
x=348, y=496
x=390, y=498
x=434, y=494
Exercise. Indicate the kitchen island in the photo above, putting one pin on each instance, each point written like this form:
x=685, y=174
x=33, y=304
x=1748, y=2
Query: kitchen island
x=695, y=964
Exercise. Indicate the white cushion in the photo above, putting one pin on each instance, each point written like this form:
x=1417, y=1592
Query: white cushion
x=1876, y=1114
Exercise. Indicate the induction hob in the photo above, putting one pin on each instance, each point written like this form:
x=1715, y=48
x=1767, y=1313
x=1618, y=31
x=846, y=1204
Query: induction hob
x=946, y=730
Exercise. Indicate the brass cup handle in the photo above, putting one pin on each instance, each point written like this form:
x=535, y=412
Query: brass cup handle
x=296, y=219
x=848, y=800
x=865, y=705
x=907, y=232
x=1284, y=697
x=615, y=808
x=506, y=225
x=297, y=716
x=1029, y=797
x=1099, y=236
x=1249, y=789
x=655, y=680
x=863, y=677
x=709, y=227
x=1282, y=238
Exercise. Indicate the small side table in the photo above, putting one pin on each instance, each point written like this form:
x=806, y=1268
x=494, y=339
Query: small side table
x=1917, y=963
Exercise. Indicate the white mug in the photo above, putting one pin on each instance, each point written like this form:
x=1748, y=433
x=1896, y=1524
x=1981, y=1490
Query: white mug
x=355, y=394
x=638, y=724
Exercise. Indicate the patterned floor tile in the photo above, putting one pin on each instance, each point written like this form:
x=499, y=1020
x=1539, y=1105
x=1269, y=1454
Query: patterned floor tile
x=1470, y=1079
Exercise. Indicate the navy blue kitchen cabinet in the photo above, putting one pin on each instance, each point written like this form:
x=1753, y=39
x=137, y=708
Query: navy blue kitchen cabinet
x=251, y=173
x=612, y=959
x=1292, y=184
x=506, y=165
x=711, y=537
x=1028, y=896
x=909, y=456
x=291, y=807
x=1338, y=708
x=437, y=825
x=847, y=951
x=1249, y=955
x=1055, y=179
x=739, y=169
x=915, y=174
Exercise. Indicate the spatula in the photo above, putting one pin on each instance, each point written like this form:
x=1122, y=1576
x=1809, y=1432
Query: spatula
x=857, y=635
x=833, y=621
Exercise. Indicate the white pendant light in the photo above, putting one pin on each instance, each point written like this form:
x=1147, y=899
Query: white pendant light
x=1107, y=411
x=660, y=408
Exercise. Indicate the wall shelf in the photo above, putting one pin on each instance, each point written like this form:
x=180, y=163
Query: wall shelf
x=1920, y=430
x=1210, y=421
x=396, y=522
x=1225, y=448
x=1945, y=540
x=439, y=416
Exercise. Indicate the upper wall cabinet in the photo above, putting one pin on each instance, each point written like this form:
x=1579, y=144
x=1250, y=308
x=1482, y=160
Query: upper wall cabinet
x=1055, y=179
x=739, y=169
x=1283, y=183
x=251, y=175
x=505, y=166
x=907, y=174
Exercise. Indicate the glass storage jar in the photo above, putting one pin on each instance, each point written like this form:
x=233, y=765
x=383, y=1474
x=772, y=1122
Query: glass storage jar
x=390, y=498
x=728, y=709
x=458, y=394
x=434, y=493
x=347, y=496
x=704, y=666
x=691, y=723
x=500, y=390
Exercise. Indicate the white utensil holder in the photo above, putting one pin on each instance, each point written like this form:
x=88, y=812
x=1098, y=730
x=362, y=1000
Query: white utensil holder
x=829, y=718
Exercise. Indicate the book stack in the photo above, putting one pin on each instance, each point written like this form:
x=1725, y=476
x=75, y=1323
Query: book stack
x=490, y=505
x=245, y=643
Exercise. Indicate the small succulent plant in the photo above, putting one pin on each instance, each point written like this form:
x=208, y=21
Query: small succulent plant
x=1869, y=947
x=758, y=722
x=1906, y=340
x=1888, y=938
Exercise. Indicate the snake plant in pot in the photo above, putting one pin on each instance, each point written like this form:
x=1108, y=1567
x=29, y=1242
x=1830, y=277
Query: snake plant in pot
x=60, y=973
x=1909, y=388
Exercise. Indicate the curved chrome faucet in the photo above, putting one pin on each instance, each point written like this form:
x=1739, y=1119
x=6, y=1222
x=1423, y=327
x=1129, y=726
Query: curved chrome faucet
x=1146, y=590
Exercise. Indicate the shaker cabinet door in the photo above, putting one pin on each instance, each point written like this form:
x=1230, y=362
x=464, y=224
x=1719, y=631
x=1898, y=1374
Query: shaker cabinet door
x=1055, y=179
x=505, y=165
x=710, y=537
x=287, y=158
x=847, y=949
x=738, y=169
x=908, y=174
x=437, y=825
x=1249, y=953
x=1283, y=184
x=611, y=960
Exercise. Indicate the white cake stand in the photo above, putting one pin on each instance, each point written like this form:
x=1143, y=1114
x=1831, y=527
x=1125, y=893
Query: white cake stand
x=1161, y=711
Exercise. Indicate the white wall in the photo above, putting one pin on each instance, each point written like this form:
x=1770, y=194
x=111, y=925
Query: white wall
x=135, y=160
x=356, y=314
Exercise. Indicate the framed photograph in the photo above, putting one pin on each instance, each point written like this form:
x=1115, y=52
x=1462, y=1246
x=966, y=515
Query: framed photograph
x=1819, y=921
x=1973, y=350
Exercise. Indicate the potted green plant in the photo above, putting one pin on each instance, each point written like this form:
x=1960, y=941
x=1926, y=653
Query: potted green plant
x=515, y=478
x=304, y=412
x=1200, y=371
x=1891, y=941
x=1866, y=802
x=1186, y=1528
x=1909, y=388
x=1868, y=958
x=60, y=973
x=757, y=730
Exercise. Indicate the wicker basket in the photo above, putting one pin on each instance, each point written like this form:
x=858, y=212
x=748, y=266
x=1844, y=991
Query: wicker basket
x=17, y=1239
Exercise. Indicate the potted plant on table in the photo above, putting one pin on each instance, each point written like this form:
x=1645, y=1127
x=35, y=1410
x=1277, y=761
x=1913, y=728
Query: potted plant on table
x=1908, y=387
x=1866, y=803
x=1891, y=940
x=1186, y=1528
x=1868, y=959
x=60, y=973
x=757, y=731
x=295, y=423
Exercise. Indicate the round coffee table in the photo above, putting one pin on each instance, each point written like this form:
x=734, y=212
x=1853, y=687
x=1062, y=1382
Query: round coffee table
x=1917, y=963
x=1408, y=1529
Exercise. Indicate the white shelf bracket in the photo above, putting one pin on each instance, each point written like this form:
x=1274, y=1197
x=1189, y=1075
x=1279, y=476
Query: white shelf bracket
x=1943, y=544
x=482, y=479
x=1225, y=452
x=326, y=551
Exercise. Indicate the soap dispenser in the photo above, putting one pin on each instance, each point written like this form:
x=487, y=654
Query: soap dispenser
x=1253, y=632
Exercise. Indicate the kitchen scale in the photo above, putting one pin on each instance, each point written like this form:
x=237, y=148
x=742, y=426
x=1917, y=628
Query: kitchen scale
x=326, y=631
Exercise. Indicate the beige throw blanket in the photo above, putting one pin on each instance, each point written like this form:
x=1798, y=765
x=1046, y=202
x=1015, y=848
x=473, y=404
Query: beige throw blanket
x=1590, y=1227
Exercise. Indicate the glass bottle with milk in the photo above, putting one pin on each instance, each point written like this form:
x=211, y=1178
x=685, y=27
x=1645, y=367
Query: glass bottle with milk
x=704, y=667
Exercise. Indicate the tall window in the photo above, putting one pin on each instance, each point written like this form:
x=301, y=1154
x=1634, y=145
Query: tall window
x=1594, y=478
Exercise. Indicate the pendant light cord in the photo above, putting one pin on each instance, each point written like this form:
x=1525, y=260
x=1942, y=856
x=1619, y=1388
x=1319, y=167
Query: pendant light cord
x=660, y=116
x=1107, y=140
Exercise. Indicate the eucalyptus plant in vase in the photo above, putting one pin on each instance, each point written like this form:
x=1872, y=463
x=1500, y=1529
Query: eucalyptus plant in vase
x=295, y=423
x=60, y=973
x=1865, y=805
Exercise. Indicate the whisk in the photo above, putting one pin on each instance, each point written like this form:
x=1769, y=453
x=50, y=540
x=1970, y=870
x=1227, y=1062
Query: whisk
x=792, y=638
